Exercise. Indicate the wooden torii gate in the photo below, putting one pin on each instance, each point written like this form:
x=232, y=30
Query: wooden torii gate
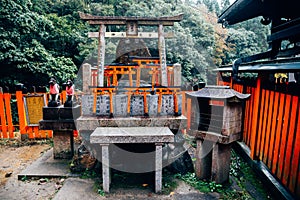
x=132, y=24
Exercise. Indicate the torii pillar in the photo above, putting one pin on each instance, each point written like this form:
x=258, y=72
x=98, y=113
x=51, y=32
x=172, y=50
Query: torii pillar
x=162, y=55
x=101, y=55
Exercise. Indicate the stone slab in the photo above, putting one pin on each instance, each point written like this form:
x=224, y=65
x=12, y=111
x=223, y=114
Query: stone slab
x=106, y=135
x=90, y=123
x=46, y=166
x=215, y=137
x=61, y=113
x=61, y=125
x=102, y=105
x=76, y=188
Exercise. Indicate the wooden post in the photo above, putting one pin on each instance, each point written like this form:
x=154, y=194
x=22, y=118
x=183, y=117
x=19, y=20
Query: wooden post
x=183, y=103
x=101, y=55
x=2, y=115
x=7, y=98
x=162, y=56
x=253, y=143
x=21, y=113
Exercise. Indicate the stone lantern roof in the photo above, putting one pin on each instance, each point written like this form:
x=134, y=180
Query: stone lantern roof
x=218, y=93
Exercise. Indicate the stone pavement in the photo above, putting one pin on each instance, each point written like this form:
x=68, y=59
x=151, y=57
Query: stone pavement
x=78, y=188
x=47, y=167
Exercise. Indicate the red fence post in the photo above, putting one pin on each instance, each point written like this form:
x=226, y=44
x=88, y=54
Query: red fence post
x=253, y=143
x=21, y=113
x=2, y=115
x=7, y=98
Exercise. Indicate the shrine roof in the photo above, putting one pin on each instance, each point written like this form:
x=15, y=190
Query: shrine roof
x=278, y=65
x=242, y=10
x=218, y=92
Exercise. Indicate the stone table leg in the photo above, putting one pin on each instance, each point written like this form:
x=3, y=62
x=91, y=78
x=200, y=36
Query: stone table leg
x=158, y=167
x=105, y=167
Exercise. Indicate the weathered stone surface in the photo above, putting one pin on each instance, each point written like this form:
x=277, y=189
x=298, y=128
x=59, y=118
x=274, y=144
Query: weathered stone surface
x=221, y=163
x=215, y=137
x=167, y=106
x=85, y=72
x=213, y=163
x=60, y=113
x=137, y=105
x=60, y=125
x=86, y=123
x=177, y=74
x=203, y=162
x=131, y=135
x=63, y=147
x=158, y=168
x=120, y=102
x=102, y=105
x=152, y=101
x=87, y=104
x=105, y=168
x=232, y=119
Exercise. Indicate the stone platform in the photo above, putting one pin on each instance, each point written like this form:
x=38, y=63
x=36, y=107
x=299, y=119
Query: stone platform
x=47, y=167
x=90, y=123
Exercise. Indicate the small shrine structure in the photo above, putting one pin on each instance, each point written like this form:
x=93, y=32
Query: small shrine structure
x=137, y=113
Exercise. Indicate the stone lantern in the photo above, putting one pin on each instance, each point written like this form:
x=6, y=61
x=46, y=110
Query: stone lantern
x=220, y=124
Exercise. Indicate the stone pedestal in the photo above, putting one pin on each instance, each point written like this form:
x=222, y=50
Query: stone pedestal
x=63, y=147
x=213, y=155
x=61, y=121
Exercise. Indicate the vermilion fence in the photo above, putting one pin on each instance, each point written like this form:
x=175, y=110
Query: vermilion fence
x=271, y=130
x=14, y=122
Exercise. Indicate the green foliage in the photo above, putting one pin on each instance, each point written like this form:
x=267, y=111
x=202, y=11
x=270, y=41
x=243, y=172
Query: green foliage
x=202, y=186
x=24, y=178
x=169, y=182
x=25, y=55
x=88, y=174
x=39, y=39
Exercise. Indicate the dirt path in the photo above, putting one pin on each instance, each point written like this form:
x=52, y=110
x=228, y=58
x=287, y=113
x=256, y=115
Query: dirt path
x=15, y=158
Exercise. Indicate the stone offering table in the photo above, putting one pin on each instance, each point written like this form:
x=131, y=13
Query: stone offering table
x=111, y=135
x=62, y=121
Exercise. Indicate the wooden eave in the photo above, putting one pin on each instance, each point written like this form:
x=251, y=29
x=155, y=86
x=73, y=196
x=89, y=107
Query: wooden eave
x=242, y=10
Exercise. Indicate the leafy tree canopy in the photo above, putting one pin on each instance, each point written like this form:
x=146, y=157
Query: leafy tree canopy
x=39, y=39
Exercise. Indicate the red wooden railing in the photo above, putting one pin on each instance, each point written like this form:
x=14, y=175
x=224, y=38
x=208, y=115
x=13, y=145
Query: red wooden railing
x=9, y=127
x=271, y=130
